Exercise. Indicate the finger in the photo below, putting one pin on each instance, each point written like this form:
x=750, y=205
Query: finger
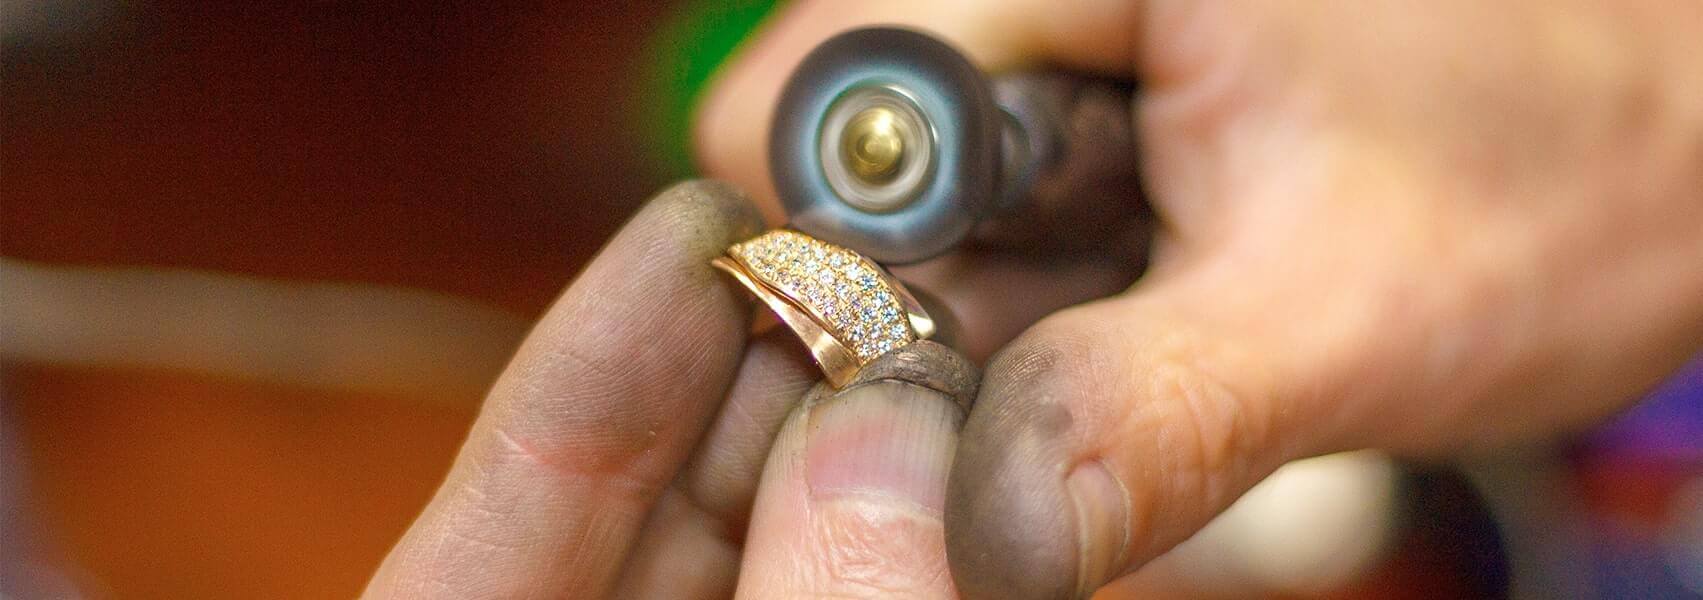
x=999, y=294
x=1316, y=525
x=732, y=124
x=690, y=546
x=591, y=419
x=850, y=501
x=1112, y=431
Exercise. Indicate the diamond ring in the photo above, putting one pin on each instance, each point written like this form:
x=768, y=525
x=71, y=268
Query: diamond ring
x=847, y=309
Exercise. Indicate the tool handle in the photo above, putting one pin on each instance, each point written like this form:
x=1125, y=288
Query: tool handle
x=1070, y=170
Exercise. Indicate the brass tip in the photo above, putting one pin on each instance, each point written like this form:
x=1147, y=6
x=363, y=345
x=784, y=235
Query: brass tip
x=873, y=144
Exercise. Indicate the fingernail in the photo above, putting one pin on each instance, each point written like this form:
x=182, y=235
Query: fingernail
x=1102, y=523
x=887, y=441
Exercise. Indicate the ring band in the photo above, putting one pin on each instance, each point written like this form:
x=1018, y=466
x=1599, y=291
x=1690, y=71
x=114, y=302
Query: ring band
x=847, y=309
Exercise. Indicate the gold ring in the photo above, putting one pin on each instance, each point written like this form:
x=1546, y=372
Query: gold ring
x=847, y=309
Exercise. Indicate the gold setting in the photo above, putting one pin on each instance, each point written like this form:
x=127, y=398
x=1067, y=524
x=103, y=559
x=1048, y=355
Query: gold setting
x=847, y=309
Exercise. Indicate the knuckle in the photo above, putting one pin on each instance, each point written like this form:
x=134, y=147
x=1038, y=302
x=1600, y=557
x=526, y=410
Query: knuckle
x=1214, y=432
x=871, y=549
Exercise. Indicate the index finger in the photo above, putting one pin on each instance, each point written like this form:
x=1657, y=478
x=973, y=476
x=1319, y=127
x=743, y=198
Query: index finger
x=592, y=418
x=731, y=129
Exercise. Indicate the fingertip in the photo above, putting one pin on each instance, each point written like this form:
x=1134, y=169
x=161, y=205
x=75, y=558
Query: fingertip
x=659, y=263
x=708, y=214
x=1103, y=436
x=592, y=417
x=1022, y=538
x=1009, y=524
x=851, y=500
x=722, y=476
x=594, y=357
x=1101, y=510
x=1004, y=529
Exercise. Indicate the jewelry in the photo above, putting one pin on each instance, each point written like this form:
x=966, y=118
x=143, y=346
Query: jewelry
x=848, y=310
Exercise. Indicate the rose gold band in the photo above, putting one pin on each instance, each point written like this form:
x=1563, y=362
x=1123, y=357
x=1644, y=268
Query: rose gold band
x=845, y=308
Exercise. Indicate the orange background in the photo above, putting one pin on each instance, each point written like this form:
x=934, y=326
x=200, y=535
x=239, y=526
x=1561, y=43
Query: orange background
x=480, y=149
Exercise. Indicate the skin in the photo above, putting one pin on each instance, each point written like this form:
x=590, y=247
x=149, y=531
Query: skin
x=1431, y=231
x=606, y=464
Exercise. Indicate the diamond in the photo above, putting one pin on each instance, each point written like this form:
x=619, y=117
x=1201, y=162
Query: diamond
x=844, y=292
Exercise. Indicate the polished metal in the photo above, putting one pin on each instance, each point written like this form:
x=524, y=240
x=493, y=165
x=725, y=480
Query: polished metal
x=877, y=148
x=836, y=169
x=845, y=308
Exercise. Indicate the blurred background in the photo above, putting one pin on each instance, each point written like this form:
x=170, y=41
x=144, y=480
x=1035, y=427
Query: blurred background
x=259, y=262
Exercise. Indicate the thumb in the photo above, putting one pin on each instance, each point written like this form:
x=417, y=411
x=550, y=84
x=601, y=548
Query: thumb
x=850, y=501
x=1112, y=431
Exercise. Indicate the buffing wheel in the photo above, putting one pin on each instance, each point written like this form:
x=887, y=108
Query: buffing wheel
x=888, y=141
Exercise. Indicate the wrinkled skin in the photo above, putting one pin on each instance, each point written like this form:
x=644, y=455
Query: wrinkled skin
x=626, y=450
x=1429, y=229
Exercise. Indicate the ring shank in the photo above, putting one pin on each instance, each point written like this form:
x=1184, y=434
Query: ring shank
x=838, y=362
x=845, y=308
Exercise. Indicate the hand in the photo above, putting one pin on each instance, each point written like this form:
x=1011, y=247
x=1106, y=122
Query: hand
x=1424, y=229
x=619, y=455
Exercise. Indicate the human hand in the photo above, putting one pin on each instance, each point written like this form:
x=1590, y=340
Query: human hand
x=622, y=453
x=1424, y=229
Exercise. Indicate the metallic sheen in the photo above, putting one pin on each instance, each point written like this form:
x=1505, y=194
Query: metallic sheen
x=873, y=145
x=947, y=176
x=847, y=310
x=877, y=148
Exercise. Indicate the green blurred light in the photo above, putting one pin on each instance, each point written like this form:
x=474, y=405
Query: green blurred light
x=682, y=57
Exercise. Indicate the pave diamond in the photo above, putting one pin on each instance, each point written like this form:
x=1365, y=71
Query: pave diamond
x=842, y=290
